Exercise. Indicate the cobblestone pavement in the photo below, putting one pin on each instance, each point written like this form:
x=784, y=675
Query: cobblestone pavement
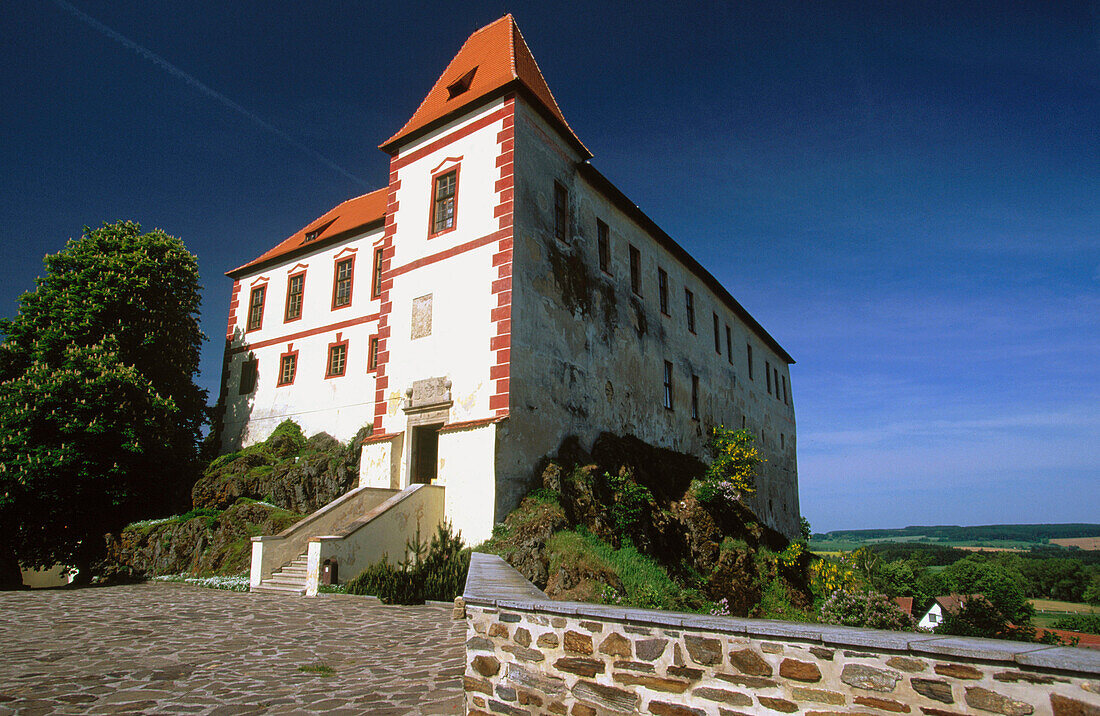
x=171, y=648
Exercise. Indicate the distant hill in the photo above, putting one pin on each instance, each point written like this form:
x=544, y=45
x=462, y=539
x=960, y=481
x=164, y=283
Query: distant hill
x=1036, y=533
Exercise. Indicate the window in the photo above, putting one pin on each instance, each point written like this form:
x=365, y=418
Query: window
x=785, y=401
x=635, y=271
x=561, y=212
x=694, y=397
x=337, y=359
x=444, y=195
x=341, y=289
x=288, y=366
x=294, y=288
x=461, y=84
x=248, y=376
x=689, y=299
x=662, y=289
x=748, y=351
x=717, y=339
x=782, y=441
x=668, y=385
x=376, y=282
x=729, y=345
x=768, y=375
x=256, y=308
x=775, y=374
x=372, y=354
x=743, y=421
x=603, y=245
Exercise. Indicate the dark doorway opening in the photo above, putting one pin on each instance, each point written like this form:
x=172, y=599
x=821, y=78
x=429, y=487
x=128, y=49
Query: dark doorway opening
x=425, y=457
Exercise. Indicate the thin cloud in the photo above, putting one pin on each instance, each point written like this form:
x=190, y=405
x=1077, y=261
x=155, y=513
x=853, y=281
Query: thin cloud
x=204, y=89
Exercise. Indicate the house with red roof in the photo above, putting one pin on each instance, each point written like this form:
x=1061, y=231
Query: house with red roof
x=498, y=295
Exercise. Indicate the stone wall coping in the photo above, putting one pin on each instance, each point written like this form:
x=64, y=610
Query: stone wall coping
x=492, y=582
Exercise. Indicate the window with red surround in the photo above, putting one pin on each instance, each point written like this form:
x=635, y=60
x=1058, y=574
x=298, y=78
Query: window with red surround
x=372, y=354
x=256, y=308
x=343, y=275
x=561, y=212
x=376, y=277
x=337, y=358
x=288, y=367
x=444, y=216
x=295, y=289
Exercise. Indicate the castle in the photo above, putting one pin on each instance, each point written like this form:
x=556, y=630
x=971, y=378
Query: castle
x=497, y=296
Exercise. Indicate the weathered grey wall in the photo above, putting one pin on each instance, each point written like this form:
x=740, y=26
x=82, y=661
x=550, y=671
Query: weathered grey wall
x=526, y=654
x=588, y=354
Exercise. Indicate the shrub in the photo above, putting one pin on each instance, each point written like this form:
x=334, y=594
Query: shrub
x=631, y=500
x=436, y=571
x=732, y=471
x=864, y=609
x=1089, y=623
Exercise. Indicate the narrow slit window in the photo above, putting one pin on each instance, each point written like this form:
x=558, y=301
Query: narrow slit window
x=668, y=385
x=376, y=283
x=689, y=300
x=717, y=337
x=294, y=288
x=662, y=289
x=775, y=375
x=256, y=308
x=603, y=245
x=561, y=211
x=748, y=352
x=444, y=195
x=341, y=290
x=635, y=271
x=694, y=397
x=768, y=375
x=729, y=345
x=785, y=400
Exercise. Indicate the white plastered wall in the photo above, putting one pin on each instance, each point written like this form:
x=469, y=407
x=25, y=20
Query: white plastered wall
x=467, y=468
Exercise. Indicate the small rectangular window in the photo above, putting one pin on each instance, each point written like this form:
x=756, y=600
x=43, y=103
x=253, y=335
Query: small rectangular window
x=372, y=355
x=668, y=385
x=748, y=351
x=341, y=289
x=717, y=337
x=635, y=271
x=337, y=360
x=603, y=245
x=775, y=374
x=376, y=283
x=444, y=195
x=662, y=289
x=743, y=421
x=694, y=397
x=294, y=289
x=782, y=441
x=768, y=375
x=256, y=308
x=288, y=366
x=248, y=377
x=729, y=345
x=561, y=212
x=785, y=400
x=689, y=299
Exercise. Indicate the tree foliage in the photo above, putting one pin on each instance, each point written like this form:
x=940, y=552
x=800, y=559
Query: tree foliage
x=732, y=470
x=99, y=412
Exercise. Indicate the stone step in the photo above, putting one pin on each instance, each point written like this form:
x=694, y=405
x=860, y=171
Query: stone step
x=292, y=570
x=266, y=586
x=289, y=583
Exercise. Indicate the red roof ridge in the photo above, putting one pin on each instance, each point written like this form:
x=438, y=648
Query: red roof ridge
x=501, y=57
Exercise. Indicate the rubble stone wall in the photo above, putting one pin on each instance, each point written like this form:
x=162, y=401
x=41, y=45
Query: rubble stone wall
x=526, y=654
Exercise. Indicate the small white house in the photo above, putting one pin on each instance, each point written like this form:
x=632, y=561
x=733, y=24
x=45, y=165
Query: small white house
x=940, y=608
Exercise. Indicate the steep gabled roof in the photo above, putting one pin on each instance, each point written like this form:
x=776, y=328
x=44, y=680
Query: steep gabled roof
x=340, y=221
x=492, y=59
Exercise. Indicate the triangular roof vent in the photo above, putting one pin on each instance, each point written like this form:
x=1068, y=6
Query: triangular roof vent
x=461, y=84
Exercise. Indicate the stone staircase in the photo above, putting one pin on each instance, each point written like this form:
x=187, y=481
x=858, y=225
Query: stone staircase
x=288, y=579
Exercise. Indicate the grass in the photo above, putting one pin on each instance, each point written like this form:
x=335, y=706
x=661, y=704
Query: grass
x=320, y=669
x=1051, y=605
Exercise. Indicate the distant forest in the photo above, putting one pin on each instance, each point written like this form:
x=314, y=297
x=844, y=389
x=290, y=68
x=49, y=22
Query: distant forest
x=955, y=533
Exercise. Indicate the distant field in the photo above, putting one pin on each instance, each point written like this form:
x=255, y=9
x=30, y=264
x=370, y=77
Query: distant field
x=1050, y=605
x=969, y=548
x=1080, y=542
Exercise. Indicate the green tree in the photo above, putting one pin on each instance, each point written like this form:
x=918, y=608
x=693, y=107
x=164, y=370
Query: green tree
x=99, y=412
x=896, y=579
x=1003, y=600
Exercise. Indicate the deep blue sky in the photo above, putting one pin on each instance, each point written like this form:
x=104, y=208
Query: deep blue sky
x=906, y=195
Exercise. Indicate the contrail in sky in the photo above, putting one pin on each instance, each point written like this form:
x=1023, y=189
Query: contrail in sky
x=213, y=94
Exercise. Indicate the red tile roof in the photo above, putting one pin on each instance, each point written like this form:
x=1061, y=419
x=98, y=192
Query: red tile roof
x=338, y=221
x=906, y=604
x=498, y=56
x=1084, y=639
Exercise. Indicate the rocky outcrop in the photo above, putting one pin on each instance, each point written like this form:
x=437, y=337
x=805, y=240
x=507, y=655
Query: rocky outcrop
x=200, y=542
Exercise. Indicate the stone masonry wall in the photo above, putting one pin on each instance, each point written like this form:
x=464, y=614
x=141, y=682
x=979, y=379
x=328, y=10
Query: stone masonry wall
x=526, y=654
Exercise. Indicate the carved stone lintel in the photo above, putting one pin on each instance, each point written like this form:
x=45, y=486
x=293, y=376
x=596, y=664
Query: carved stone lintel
x=428, y=394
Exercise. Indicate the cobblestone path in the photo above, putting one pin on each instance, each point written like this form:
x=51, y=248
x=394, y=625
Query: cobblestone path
x=170, y=648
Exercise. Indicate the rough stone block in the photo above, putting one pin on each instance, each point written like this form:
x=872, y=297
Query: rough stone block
x=986, y=700
x=577, y=643
x=666, y=709
x=657, y=683
x=520, y=676
x=472, y=683
x=750, y=682
x=557, y=622
x=904, y=663
x=935, y=689
x=527, y=698
x=799, y=671
x=556, y=707
x=733, y=698
x=509, y=617
x=478, y=643
x=777, y=704
x=498, y=630
x=633, y=666
x=818, y=696
x=685, y=672
x=486, y=665
x=704, y=650
x=932, y=711
x=870, y=678
x=1012, y=677
x=522, y=637
x=506, y=692
x=769, y=648
x=548, y=640
x=883, y=704
x=580, y=666
x=822, y=653
x=523, y=653
x=650, y=649
x=1065, y=706
x=749, y=662
x=592, y=626
x=958, y=671
x=616, y=645
x=604, y=697
x=582, y=710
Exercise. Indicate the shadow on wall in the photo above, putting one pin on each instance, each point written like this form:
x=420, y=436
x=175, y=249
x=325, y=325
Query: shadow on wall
x=233, y=409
